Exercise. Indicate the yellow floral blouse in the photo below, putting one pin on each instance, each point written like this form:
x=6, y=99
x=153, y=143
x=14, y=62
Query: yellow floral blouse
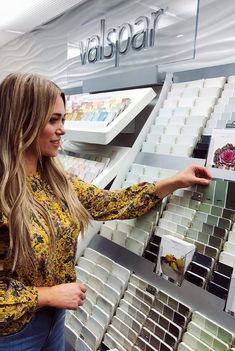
x=18, y=292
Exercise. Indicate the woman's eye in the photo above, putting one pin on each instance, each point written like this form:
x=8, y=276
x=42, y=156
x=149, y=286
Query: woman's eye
x=53, y=120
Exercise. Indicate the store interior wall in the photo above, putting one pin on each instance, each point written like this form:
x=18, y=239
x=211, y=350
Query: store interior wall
x=44, y=50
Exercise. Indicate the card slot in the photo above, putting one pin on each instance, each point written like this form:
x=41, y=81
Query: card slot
x=203, y=260
x=144, y=296
x=134, y=312
x=106, y=305
x=176, y=305
x=137, y=303
x=160, y=332
x=224, y=269
x=217, y=290
x=110, y=293
x=166, y=323
x=101, y=273
x=195, y=343
x=168, y=312
x=174, y=227
x=120, y=272
x=156, y=239
x=135, y=246
x=212, y=327
x=153, y=247
x=143, y=284
x=95, y=327
x=221, y=279
x=220, y=193
x=195, y=279
x=92, y=255
x=150, y=256
x=206, y=337
x=176, y=218
x=207, y=192
x=111, y=343
x=122, y=327
x=143, y=345
x=75, y=323
x=150, y=338
x=86, y=264
x=204, y=249
x=199, y=269
x=186, y=212
x=120, y=338
x=81, y=314
x=154, y=340
x=129, y=320
x=100, y=316
x=183, y=347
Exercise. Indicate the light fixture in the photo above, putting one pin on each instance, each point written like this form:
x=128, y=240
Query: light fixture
x=13, y=31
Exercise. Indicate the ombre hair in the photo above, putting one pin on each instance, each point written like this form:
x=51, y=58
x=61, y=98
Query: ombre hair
x=26, y=105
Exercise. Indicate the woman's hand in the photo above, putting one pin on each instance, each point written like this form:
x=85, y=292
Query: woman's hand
x=69, y=296
x=193, y=174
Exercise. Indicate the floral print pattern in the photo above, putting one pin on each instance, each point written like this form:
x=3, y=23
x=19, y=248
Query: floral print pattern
x=18, y=290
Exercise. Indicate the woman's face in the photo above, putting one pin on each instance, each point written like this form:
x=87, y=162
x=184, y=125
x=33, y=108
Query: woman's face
x=50, y=137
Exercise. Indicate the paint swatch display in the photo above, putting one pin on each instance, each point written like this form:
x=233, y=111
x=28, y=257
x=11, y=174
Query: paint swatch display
x=204, y=217
x=146, y=319
x=106, y=282
x=84, y=168
x=86, y=109
x=204, y=334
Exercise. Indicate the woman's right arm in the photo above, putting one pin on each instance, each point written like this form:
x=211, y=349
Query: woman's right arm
x=69, y=295
x=16, y=299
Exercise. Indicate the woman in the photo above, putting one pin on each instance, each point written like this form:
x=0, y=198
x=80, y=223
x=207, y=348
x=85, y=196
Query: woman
x=43, y=211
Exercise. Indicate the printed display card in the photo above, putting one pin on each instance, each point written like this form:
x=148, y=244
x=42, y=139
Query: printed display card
x=174, y=257
x=222, y=149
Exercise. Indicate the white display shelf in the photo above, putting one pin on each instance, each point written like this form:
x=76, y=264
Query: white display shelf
x=118, y=157
x=90, y=133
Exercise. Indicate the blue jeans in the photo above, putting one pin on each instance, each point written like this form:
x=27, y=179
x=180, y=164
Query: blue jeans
x=45, y=332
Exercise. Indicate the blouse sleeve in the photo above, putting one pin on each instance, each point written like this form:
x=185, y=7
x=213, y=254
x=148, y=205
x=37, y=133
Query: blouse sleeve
x=125, y=203
x=16, y=299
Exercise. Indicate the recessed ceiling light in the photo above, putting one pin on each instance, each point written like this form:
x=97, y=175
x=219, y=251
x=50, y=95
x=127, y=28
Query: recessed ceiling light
x=179, y=35
x=171, y=14
x=13, y=31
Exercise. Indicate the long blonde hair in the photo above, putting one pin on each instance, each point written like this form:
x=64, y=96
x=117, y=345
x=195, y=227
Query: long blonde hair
x=26, y=104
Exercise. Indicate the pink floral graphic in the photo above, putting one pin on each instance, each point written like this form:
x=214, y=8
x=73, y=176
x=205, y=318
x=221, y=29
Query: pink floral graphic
x=225, y=157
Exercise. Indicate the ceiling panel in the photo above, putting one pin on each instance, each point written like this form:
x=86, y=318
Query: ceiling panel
x=18, y=17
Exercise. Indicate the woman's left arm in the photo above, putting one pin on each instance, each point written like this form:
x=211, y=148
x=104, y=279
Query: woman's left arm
x=137, y=199
x=125, y=203
x=193, y=174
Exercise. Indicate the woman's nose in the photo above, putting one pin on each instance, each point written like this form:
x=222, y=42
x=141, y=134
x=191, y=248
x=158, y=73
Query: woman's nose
x=61, y=130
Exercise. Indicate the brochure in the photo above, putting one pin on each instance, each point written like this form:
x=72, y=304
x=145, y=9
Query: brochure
x=222, y=149
x=174, y=257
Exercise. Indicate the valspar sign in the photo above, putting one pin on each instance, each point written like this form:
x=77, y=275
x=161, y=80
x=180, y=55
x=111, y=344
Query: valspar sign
x=114, y=42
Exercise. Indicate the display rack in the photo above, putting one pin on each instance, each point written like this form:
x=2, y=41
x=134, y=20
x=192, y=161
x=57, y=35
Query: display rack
x=198, y=299
x=193, y=296
x=87, y=133
x=117, y=154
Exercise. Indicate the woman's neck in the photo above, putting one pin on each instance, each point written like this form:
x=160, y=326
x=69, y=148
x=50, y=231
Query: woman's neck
x=30, y=163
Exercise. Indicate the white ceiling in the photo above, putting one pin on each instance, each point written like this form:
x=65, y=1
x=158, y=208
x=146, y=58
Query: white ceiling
x=18, y=17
